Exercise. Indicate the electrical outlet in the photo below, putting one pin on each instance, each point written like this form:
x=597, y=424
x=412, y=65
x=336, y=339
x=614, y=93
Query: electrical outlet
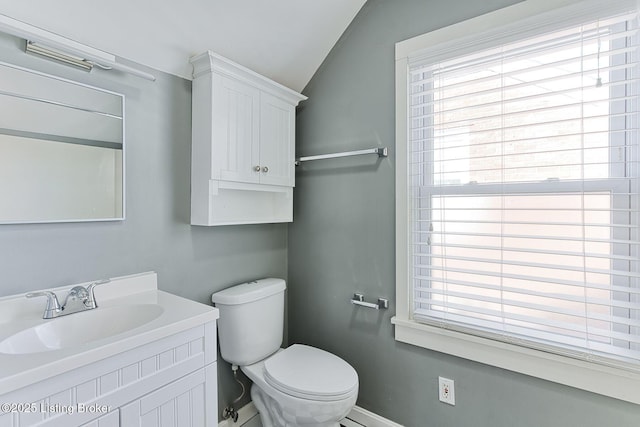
x=446, y=391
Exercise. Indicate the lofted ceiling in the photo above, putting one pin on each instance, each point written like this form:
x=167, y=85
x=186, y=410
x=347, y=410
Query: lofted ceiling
x=285, y=40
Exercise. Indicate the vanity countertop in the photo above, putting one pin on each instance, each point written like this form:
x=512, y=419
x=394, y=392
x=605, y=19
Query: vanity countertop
x=17, y=313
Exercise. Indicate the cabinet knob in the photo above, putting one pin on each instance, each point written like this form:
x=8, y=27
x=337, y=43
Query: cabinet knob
x=265, y=169
x=257, y=168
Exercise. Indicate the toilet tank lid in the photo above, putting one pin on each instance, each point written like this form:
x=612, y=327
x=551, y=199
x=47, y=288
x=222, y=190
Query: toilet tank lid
x=249, y=291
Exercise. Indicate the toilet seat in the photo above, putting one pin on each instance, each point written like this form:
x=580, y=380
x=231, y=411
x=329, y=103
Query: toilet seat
x=310, y=373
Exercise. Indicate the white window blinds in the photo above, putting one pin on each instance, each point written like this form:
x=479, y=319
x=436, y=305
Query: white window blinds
x=523, y=183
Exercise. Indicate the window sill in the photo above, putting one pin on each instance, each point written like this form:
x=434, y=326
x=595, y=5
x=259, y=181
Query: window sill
x=605, y=380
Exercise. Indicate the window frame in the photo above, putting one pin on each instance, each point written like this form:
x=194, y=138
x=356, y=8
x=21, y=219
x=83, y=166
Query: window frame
x=528, y=17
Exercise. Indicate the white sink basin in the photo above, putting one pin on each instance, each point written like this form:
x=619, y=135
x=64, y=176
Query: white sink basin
x=80, y=328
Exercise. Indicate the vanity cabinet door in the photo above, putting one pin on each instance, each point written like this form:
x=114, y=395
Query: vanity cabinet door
x=112, y=419
x=235, y=127
x=190, y=401
x=277, y=136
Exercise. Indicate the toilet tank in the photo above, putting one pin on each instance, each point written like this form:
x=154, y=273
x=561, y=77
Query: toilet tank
x=251, y=320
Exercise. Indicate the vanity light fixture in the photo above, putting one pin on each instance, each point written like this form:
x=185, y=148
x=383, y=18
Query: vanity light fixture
x=60, y=48
x=57, y=55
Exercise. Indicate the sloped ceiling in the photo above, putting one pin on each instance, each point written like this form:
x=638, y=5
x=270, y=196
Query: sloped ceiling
x=285, y=40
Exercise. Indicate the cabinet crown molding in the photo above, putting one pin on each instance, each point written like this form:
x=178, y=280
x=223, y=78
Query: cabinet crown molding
x=208, y=62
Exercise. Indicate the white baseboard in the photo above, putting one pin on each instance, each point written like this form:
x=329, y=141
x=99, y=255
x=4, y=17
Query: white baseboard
x=369, y=419
x=359, y=416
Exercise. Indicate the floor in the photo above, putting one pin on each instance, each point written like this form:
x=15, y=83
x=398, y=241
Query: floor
x=255, y=422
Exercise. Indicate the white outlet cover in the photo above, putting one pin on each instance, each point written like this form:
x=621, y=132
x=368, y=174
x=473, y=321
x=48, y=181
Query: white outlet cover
x=446, y=391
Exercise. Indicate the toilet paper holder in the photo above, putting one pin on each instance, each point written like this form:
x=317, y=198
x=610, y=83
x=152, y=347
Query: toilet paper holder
x=358, y=299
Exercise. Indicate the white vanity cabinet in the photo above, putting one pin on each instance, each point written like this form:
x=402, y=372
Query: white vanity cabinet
x=172, y=379
x=156, y=370
x=243, y=145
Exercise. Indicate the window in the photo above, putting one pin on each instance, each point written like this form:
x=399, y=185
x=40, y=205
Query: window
x=519, y=198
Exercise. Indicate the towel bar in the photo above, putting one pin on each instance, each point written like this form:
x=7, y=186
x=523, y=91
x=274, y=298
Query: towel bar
x=381, y=152
x=358, y=299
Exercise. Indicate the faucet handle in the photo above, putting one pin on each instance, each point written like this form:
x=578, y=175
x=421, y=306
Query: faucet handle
x=92, y=298
x=53, y=306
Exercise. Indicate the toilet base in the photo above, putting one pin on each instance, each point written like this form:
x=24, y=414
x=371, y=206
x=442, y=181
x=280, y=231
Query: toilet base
x=272, y=415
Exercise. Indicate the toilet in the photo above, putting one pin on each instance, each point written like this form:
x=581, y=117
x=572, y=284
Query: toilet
x=295, y=386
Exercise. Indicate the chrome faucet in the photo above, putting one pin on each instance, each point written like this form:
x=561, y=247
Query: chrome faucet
x=78, y=299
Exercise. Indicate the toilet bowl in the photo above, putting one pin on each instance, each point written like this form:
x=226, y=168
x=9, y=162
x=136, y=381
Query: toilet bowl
x=296, y=386
x=302, y=386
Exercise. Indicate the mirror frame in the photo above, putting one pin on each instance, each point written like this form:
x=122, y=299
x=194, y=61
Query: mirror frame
x=49, y=99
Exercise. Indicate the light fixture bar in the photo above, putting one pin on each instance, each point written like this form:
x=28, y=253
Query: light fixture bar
x=29, y=32
x=39, y=49
x=66, y=46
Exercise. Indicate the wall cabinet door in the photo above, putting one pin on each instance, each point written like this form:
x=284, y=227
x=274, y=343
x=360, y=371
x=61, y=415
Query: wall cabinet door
x=253, y=134
x=235, y=121
x=277, y=136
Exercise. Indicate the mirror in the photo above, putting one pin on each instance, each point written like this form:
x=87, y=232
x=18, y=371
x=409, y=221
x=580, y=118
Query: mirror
x=61, y=150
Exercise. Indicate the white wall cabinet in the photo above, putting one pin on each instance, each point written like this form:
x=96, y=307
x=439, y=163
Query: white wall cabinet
x=243, y=145
x=168, y=382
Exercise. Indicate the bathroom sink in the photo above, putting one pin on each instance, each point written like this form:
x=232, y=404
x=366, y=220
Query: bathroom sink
x=80, y=328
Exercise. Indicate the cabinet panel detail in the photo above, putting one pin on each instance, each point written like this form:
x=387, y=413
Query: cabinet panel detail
x=182, y=403
x=277, y=149
x=112, y=419
x=235, y=125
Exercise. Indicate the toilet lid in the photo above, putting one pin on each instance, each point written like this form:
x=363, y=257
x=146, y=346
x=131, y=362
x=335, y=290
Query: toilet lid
x=310, y=373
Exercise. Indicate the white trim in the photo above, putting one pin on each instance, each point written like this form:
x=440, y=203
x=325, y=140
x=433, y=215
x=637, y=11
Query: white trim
x=480, y=24
x=369, y=419
x=513, y=20
x=358, y=415
x=245, y=414
x=402, y=212
x=610, y=381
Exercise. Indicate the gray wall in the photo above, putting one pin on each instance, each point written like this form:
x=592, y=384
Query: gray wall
x=342, y=241
x=190, y=261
